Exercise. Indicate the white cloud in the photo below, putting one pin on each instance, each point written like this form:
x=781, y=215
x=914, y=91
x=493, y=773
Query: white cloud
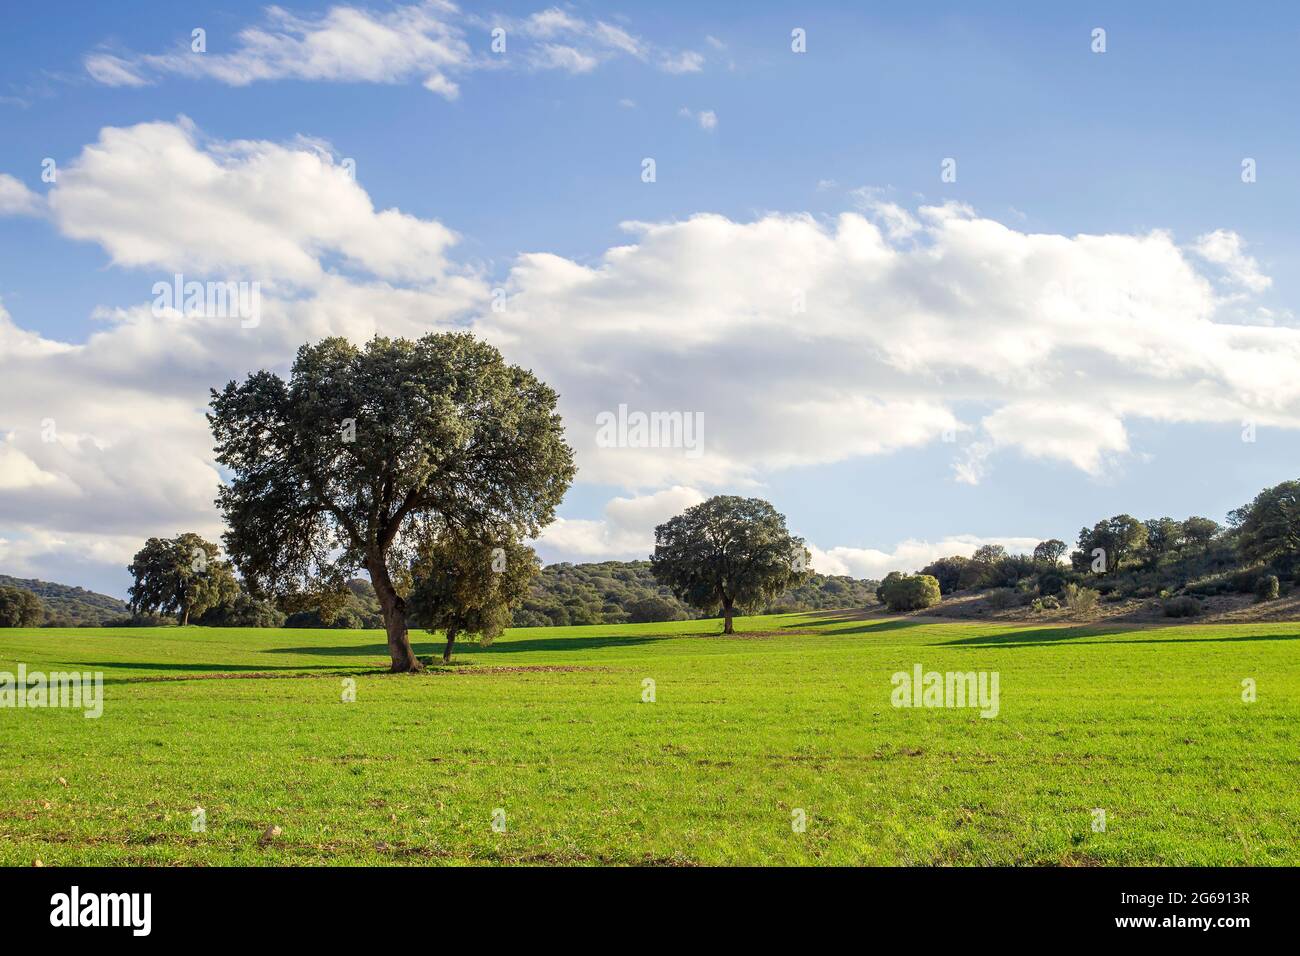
x=345, y=44
x=803, y=342
x=1226, y=249
x=428, y=41
x=688, y=61
x=247, y=208
x=112, y=70
x=626, y=532
x=707, y=119
x=908, y=556
x=16, y=199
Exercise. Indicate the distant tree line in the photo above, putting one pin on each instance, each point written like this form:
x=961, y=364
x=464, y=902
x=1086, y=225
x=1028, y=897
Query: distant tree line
x=1178, y=562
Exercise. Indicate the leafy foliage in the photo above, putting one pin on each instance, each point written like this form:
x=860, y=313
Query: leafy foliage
x=367, y=454
x=618, y=592
x=728, y=551
x=464, y=585
x=1050, y=552
x=909, y=592
x=69, y=606
x=357, y=606
x=1268, y=529
x=20, y=608
x=183, y=575
x=245, y=610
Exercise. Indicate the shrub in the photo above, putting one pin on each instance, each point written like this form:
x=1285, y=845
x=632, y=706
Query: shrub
x=1051, y=582
x=143, y=619
x=1046, y=603
x=654, y=609
x=909, y=592
x=1003, y=598
x=1267, y=588
x=1184, y=606
x=1080, y=600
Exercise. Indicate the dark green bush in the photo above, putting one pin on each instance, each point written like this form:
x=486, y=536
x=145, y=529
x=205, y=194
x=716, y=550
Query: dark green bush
x=1268, y=588
x=910, y=592
x=1184, y=606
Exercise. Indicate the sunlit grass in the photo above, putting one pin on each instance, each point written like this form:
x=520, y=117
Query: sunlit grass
x=549, y=725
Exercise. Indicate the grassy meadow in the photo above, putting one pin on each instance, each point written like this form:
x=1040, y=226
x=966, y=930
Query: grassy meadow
x=549, y=726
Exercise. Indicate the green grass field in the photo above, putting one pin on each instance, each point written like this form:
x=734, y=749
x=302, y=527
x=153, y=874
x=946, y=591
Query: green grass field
x=549, y=726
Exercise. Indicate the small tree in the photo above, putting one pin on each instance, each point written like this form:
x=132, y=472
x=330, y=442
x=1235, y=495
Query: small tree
x=728, y=551
x=20, y=608
x=910, y=592
x=1268, y=529
x=1118, y=538
x=1199, y=532
x=467, y=586
x=1164, y=536
x=183, y=575
x=367, y=454
x=1049, y=552
x=947, y=571
x=1267, y=588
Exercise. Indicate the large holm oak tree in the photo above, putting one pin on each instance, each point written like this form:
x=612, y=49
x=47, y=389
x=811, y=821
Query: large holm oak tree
x=366, y=454
x=728, y=551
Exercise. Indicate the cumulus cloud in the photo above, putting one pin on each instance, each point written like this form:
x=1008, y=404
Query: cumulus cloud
x=626, y=532
x=16, y=199
x=802, y=342
x=252, y=208
x=1227, y=249
x=908, y=556
x=427, y=42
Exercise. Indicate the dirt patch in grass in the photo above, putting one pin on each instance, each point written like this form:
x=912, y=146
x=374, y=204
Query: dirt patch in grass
x=521, y=669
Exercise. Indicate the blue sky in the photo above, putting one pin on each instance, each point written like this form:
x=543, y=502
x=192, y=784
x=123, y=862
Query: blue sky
x=1050, y=138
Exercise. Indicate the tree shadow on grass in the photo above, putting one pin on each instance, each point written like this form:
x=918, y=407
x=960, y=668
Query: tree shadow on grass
x=468, y=647
x=1055, y=637
x=158, y=671
x=199, y=668
x=878, y=625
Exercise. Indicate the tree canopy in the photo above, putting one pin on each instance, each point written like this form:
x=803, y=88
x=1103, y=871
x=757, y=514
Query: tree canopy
x=464, y=585
x=20, y=608
x=366, y=454
x=1268, y=528
x=183, y=575
x=728, y=551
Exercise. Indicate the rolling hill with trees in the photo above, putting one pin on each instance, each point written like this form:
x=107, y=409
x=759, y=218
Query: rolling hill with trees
x=67, y=606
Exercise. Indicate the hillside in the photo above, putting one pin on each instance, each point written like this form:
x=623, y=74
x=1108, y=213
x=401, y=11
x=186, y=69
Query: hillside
x=67, y=606
x=617, y=592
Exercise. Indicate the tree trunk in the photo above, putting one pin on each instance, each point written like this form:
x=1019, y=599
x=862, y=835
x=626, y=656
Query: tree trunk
x=727, y=604
x=394, y=608
x=451, y=639
x=185, y=616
